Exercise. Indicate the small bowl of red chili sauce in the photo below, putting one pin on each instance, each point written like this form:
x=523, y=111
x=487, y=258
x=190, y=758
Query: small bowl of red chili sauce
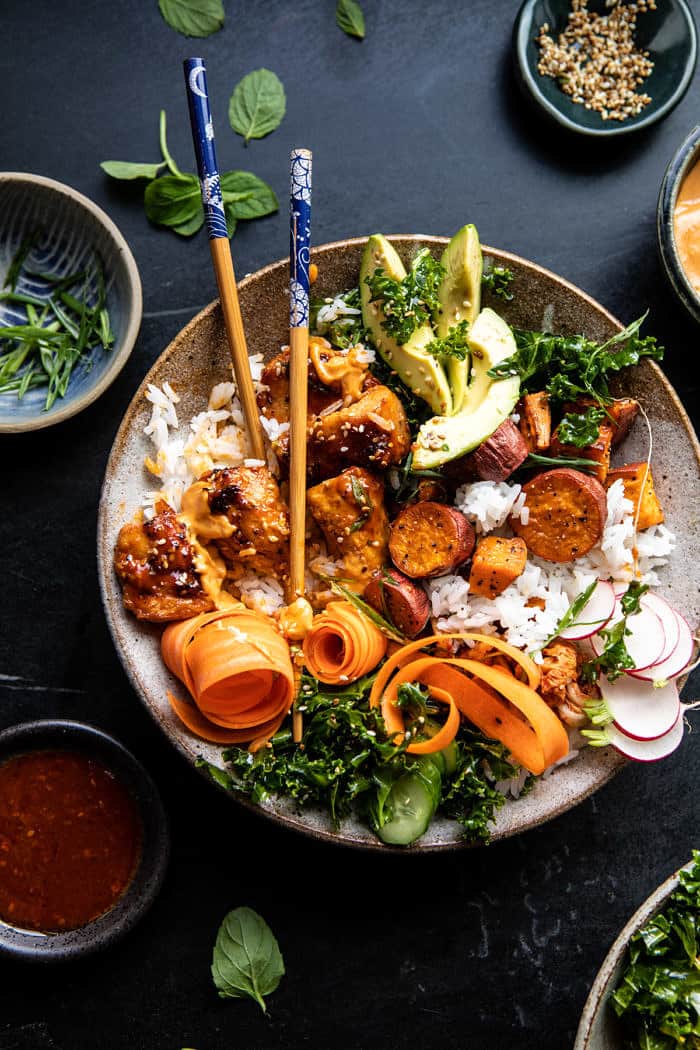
x=83, y=840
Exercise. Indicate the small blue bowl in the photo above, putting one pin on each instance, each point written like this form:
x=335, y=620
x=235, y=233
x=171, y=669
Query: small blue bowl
x=74, y=235
x=668, y=34
x=60, y=735
x=687, y=155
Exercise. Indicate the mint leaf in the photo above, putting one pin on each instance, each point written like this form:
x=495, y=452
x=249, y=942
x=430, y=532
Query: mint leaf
x=257, y=104
x=247, y=960
x=349, y=16
x=193, y=17
x=249, y=196
x=124, y=169
x=174, y=200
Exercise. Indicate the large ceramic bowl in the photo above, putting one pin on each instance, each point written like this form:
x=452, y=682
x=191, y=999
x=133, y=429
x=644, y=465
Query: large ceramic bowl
x=685, y=158
x=198, y=357
x=74, y=234
x=599, y=1028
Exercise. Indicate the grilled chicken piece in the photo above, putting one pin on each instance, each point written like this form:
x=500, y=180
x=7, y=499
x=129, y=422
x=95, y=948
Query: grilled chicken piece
x=155, y=562
x=335, y=378
x=373, y=430
x=350, y=512
x=559, y=669
x=250, y=500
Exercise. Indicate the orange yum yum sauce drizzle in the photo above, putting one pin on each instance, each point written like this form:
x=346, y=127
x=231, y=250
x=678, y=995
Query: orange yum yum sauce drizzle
x=70, y=840
x=686, y=225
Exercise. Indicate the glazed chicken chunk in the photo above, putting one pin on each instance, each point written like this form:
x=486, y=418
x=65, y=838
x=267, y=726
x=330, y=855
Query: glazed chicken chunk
x=559, y=667
x=373, y=430
x=250, y=500
x=350, y=511
x=155, y=562
x=335, y=378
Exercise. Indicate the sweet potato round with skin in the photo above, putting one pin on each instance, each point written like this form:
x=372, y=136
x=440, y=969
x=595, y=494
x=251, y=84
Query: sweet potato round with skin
x=399, y=599
x=567, y=512
x=502, y=453
x=430, y=539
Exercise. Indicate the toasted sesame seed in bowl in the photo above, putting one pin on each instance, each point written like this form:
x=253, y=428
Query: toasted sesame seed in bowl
x=605, y=68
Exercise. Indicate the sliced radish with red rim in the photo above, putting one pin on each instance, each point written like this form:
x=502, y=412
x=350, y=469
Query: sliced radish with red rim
x=669, y=621
x=594, y=615
x=647, y=750
x=645, y=641
x=674, y=664
x=639, y=709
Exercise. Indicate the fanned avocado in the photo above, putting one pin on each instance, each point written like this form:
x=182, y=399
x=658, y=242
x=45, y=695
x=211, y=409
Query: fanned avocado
x=460, y=300
x=419, y=370
x=486, y=404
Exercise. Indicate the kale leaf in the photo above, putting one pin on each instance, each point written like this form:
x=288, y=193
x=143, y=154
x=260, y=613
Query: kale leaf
x=498, y=280
x=454, y=344
x=581, y=428
x=411, y=302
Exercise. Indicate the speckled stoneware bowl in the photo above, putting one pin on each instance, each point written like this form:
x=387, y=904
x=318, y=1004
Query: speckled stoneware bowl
x=60, y=735
x=74, y=233
x=198, y=358
x=685, y=158
x=599, y=1028
x=668, y=34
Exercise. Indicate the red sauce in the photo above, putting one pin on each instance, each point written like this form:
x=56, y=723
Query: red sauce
x=70, y=839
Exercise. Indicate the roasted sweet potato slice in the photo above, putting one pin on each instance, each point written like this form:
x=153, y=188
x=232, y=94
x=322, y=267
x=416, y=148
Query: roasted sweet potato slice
x=624, y=411
x=566, y=514
x=535, y=421
x=639, y=492
x=598, y=452
x=401, y=600
x=430, y=539
x=497, y=561
x=496, y=458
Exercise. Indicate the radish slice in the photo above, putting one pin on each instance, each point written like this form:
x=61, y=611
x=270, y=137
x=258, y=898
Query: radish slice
x=594, y=615
x=647, y=750
x=669, y=621
x=646, y=639
x=640, y=710
x=676, y=663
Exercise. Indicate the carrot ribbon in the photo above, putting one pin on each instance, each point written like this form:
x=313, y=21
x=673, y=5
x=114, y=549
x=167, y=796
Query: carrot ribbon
x=342, y=645
x=238, y=670
x=494, y=700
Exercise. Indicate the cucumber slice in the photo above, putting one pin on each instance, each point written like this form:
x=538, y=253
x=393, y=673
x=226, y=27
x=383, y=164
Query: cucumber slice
x=411, y=803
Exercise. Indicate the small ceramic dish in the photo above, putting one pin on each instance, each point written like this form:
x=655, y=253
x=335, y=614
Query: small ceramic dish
x=599, y=1028
x=668, y=34
x=686, y=156
x=59, y=735
x=74, y=234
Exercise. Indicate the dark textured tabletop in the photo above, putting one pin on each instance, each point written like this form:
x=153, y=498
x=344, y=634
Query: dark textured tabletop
x=417, y=129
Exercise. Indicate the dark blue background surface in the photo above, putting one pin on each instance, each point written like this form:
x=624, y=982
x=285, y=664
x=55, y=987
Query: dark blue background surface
x=417, y=129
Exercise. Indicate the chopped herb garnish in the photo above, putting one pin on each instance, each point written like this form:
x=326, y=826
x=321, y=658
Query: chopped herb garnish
x=581, y=428
x=410, y=303
x=614, y=658
x=453, y=345
x=572, y=613
x=498, y=281
x=363, y=501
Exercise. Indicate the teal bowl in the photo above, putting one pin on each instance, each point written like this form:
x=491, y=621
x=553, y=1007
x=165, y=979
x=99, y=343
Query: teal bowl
x=685, y=158
x=668, y=34
x=73, y=235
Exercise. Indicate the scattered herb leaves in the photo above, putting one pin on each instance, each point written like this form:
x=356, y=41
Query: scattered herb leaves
x=581, y=428
x=614, y=658
x=350, y=18
x=198, y=18
x=411, y=302
x=247, y=960
x=535, y=460
x=388, y=629
x=454, y=344
x=498, y=280
x=346, y=328
x=631, y=599
x=257, y=105
x=362, y=500
x=174, y=199
x=572, y=613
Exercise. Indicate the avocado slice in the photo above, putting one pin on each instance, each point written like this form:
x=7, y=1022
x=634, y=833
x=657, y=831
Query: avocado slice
x=487, y=401
x=460, y=300
x=420, y=371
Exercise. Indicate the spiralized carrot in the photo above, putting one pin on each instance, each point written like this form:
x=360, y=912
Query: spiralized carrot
x=342, y=645
x=238, y=670
x=393, y=718
x=515, y=714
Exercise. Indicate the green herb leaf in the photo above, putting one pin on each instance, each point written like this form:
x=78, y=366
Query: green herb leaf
x=247, y=959
x=631, y=599
x=498, y=280
x=346, y=329
x=193, y=17
x=257, y=105
x=349, y=16
x=174, y=200
x=534, y=459
x=18, y=259
x=571, y=615
x=454, y=343
x=247, y=196
x=364, y=503
x=372, y=615
x=411, y=302
x=125, y=170
x=581, y=428
x=186, y=229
